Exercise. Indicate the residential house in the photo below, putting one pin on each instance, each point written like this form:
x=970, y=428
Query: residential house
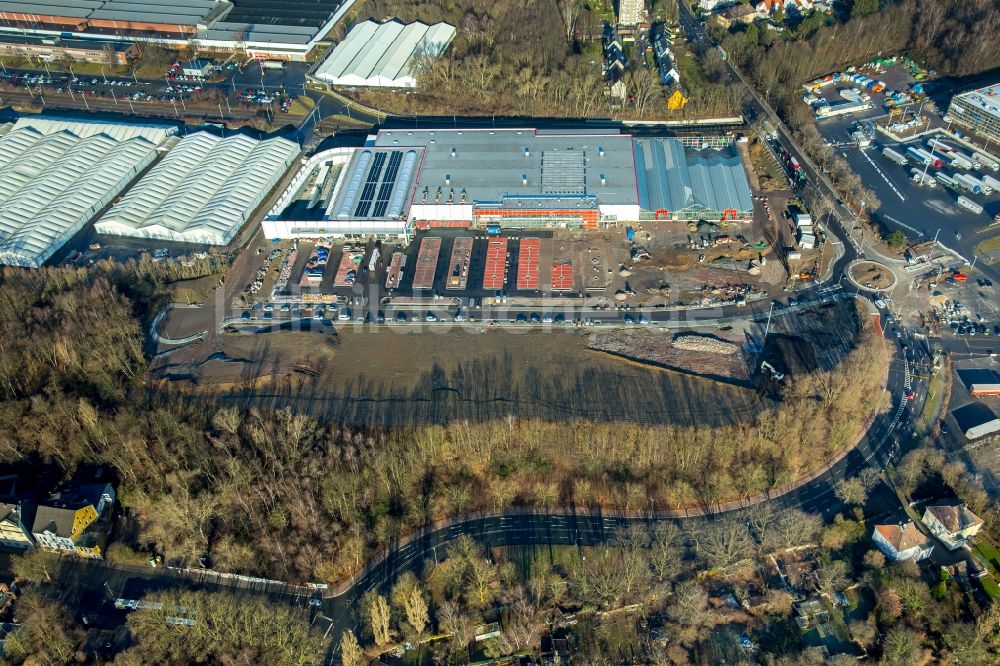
x=13, y=533
x=661, y=54
x=952, y=523
x=614, y=57
x=75, y=520
x=902, y=541
x=737, y=14
x=768, y=8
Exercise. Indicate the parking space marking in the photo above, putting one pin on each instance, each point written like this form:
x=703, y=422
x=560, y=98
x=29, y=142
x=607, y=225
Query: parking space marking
x=886, y=178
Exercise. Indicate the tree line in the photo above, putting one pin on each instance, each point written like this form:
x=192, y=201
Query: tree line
x=302, y=499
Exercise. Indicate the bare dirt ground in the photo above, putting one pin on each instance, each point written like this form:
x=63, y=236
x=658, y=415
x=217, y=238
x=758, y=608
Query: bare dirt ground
x=183, y=321
x=391, y=377
x=665, y=349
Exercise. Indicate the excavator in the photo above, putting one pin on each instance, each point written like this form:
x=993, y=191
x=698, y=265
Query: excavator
x=772, y=371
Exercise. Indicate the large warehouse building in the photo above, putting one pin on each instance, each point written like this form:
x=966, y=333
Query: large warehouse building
x=383, y=54
x=266, y=29
x=978, y=111
x=202, y=191
x=513, y=178
x=55, y=175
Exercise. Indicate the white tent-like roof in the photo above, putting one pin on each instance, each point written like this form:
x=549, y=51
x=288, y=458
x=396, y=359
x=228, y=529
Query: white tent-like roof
x=384, y=54
x=202, y=191
x=53, y=181
x=152, y=132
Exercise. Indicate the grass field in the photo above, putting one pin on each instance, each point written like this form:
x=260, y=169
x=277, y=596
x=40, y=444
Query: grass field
x=989, y=246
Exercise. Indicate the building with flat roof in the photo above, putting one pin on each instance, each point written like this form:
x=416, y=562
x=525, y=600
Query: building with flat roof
x=976, y=420
x=80, y=50
x=383, y=54
x=202, y=191
x=514, y=178
x=520, y=177
x=978, y=111
x=631, y=13
x=56, y=175
x=265, y=29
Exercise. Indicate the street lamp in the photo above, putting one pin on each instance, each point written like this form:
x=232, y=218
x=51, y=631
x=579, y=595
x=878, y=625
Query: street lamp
x=103, y=76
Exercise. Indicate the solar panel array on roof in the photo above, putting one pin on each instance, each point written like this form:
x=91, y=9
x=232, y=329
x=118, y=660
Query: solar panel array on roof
x=375, y=185
x=53, y=183
x=313, y=13
x=202, y=191
x=383, y=54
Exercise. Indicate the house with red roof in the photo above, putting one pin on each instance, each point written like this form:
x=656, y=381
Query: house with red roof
x=902, y=541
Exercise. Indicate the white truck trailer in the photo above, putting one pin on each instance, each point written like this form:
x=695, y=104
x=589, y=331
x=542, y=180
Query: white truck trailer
x=970, y=205
x=967, y=182
x=986, y=161
x=894, y=156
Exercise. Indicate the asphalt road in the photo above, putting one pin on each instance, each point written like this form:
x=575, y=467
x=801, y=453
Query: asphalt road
x=569, y=527
x=584, y=528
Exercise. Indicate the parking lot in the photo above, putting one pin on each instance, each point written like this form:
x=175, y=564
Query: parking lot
x=173, y=88
x=920, y=212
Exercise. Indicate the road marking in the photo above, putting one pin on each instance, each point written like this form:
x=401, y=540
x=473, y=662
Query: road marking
x=904, y=225
x=884, y=177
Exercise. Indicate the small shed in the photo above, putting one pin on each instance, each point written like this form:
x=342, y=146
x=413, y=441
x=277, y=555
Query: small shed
x=197, y=68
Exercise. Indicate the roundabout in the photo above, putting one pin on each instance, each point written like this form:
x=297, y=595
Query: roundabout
x=871, y=275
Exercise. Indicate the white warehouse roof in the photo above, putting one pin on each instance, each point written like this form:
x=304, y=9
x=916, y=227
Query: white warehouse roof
x=202, y=191
x=85, y=128
x=53, y=183
x=383, y=54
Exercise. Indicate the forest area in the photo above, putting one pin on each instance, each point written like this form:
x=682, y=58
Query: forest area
x=536, y=58
x=953, y=37
x=300, y=499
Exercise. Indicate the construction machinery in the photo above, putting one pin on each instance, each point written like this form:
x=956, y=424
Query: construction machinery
x=772, y=371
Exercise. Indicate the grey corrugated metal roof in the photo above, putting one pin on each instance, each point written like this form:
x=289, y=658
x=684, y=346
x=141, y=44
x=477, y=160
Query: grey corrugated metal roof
x=261, y=34
x=145, y=16
x=674, y=178
x=197, y=5
x=69, y=11
x=489, y=164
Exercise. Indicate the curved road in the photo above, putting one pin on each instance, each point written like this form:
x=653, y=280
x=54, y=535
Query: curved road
x=877, y=447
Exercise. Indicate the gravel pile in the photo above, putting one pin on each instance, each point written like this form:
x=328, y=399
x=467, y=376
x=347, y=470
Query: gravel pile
x=701, y=343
